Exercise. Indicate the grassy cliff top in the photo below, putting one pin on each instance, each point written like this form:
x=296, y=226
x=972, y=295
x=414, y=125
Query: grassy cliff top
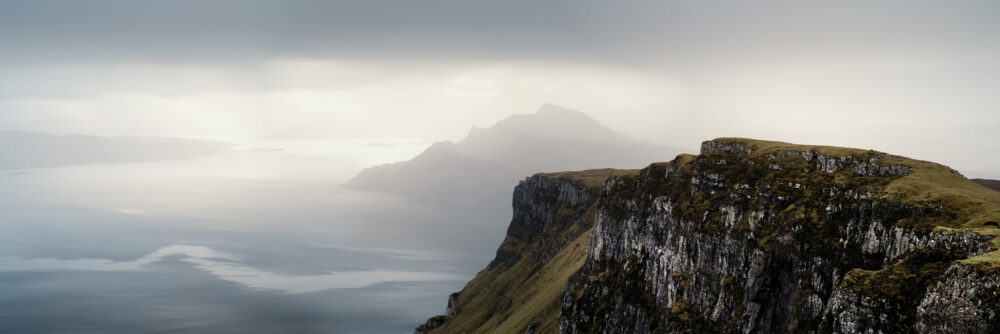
x=592, y=177
x=926, y=182
x=772, y=147
x=976, y=208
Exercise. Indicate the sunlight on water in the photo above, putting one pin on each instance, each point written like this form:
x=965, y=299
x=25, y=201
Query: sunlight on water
x=227, y=267
x=267, y=219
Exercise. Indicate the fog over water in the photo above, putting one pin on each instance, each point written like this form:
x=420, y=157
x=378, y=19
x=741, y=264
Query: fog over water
x=110, y=223
x=259, y=239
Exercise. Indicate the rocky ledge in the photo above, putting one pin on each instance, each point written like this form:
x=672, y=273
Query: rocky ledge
x=753, y=237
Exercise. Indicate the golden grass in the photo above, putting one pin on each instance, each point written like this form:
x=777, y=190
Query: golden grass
x=591, y=177
x=766, y=146
x=927, y=182
x=534, y=292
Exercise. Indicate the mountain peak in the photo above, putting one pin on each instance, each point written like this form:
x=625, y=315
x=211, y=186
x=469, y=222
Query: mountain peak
x=550, y=108
x=551, y=121
x=554, y=112
x=552, y=139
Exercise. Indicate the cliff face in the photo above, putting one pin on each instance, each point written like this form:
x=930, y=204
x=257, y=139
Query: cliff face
x=760, y=237
x=521, y=289
x=766, y=237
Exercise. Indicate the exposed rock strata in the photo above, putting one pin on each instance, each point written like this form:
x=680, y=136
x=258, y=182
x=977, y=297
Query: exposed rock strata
x=719, y=242
x=521, y=289
x=756, y=237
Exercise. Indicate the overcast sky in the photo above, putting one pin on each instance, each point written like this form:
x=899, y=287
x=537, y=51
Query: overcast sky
x=918, y=78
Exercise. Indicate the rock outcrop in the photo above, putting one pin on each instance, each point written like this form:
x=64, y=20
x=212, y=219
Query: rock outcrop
x=767, y=237
x=521, y=289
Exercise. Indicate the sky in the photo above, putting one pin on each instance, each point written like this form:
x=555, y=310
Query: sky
x=917, y=78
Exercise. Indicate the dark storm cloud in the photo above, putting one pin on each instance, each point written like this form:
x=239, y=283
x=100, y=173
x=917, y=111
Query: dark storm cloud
x=206, y=30
x=227, y=31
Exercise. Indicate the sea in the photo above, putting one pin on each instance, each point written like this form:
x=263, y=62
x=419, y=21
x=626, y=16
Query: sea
x=259, y=239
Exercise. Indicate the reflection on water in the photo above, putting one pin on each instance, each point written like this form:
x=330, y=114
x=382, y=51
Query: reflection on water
x=257, y=240
x=226, y=267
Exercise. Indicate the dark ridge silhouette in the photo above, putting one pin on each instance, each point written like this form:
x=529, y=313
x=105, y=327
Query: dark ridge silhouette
x=25, y=149
x=992, y=184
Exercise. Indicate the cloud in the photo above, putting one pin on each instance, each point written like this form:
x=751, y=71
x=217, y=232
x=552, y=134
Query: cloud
x=247, y=31
x=400, y=254
x=670, y=72
x=227, y=267
x=430, y=102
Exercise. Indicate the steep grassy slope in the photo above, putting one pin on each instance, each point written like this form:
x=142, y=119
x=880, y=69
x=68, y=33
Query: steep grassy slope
x=546, y=243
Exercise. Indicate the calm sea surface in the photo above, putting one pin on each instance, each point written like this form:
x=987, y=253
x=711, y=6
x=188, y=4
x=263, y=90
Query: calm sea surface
x=257, y=240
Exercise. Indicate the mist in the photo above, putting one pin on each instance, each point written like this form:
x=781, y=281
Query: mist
x=248, y=240
x=913, y=77
x=303, y=166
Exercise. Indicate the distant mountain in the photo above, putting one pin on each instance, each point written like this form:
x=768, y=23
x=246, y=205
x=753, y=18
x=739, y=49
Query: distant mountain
x=482, y=168
x=992, y=184
x=25, y=149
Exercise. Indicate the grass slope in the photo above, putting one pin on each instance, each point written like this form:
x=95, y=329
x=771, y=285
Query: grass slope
x=927, y=182
x=529, y=293
x=975, y=207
